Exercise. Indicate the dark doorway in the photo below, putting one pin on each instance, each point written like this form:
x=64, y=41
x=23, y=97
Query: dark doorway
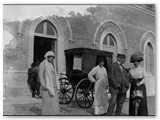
x=41, y=46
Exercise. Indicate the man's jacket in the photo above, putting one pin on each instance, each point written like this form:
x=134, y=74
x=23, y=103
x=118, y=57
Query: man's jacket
x=118, y=79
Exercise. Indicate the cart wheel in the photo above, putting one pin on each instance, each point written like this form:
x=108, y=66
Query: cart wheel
x=66, y=91
x=84, y=93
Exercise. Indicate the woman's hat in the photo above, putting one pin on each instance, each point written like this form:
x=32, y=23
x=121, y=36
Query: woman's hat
x=49, y=53
x=136, y=57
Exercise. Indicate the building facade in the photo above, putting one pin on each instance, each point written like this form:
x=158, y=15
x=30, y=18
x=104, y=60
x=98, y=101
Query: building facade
x=122, y=29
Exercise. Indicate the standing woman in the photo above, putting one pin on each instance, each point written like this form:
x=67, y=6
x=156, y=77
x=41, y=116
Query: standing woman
x=99, y=75
x=138, y=76
x=49, y=85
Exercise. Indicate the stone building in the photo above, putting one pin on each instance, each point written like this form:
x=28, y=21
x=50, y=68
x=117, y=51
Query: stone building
x=117, y=29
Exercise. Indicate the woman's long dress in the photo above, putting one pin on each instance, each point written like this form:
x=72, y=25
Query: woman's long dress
x=99, y=74
x=138, y=73
x=50, y=105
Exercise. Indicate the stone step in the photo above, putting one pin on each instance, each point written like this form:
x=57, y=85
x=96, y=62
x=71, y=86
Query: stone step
x=16, y=91
x=20, y=100
x=15, y=79
x=15, y=84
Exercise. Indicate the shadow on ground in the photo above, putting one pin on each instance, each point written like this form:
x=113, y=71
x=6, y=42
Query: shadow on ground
x=35, y=110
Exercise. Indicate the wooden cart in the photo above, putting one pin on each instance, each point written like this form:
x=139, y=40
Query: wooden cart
x=77, y=83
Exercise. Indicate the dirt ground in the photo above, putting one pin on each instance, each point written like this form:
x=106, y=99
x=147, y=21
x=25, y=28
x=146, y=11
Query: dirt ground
x=32, y=107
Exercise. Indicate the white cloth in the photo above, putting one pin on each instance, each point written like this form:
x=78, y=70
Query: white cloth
x=49, y=79
x=50, y=53
x=97, y=73
x=138, y=72
x=99, y=76
x=50, y=68
x=100, y=109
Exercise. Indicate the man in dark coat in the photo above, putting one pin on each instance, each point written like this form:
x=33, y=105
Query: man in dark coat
x=118, y=85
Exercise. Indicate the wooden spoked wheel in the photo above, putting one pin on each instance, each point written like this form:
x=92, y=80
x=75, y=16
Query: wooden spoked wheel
x=66, y=91
x=84, y=93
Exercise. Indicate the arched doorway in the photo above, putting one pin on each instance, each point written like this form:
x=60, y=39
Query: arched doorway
x=50, y=32
x=45, y=39
x=149, y=59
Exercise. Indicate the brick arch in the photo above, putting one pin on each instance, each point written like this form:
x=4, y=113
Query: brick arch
x=113, y=32
x=60, y=39
x=112, y=25
x=69, y=31
x=147, y=37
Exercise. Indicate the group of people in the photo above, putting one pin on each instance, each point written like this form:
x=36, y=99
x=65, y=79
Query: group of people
x=117, y=80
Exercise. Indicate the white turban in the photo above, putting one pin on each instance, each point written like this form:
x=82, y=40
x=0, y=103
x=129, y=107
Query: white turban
x=49, y=53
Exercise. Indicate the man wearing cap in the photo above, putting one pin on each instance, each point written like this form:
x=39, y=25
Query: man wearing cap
x=118, y=85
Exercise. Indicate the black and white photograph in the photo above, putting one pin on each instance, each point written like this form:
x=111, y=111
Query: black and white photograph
x=79, y=59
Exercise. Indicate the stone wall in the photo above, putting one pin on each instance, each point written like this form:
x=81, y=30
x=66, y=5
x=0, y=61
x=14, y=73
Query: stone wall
x=17, y=57
x=132, y=21
x=83, y=29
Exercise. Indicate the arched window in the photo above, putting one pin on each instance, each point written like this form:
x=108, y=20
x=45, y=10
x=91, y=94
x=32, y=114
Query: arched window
x=149, y=58
x=109, y=40
x=45, y=29
x=109, y=43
